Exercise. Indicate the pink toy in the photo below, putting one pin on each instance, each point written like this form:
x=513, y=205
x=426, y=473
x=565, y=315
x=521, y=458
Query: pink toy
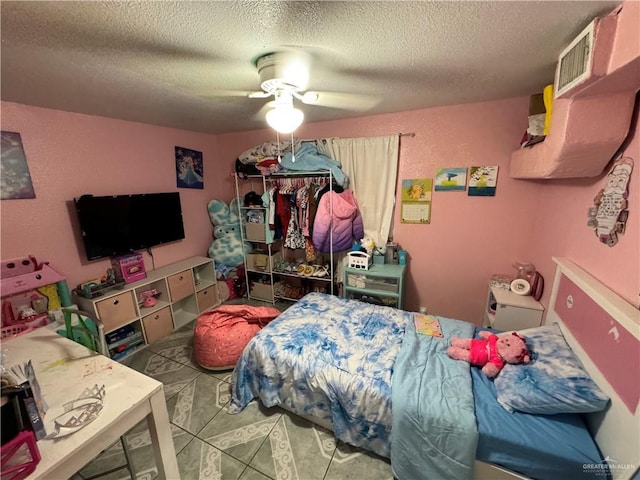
x=490, y=352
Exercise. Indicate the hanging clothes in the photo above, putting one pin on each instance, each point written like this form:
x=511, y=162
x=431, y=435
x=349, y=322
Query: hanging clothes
x=311, y=209
x=283, y=212
x=347, y=222
x=294, y=238
x=272, y=209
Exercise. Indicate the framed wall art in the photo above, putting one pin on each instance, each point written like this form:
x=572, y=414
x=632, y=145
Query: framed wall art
x=15, y=179
x=482, y=181
x=189, y=168
x=451, y=179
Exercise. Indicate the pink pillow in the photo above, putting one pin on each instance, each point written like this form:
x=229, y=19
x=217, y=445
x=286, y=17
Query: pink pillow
x=221, y=334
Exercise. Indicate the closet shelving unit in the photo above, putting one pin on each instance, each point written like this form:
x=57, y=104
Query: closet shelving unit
x=261, y=279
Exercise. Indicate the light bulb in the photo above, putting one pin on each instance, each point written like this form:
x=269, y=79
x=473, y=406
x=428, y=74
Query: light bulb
x=285, y=119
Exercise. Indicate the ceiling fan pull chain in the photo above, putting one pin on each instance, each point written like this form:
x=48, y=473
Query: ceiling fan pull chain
x=293, y=153
x=278, y=140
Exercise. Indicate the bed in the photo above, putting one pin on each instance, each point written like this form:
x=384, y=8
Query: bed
x=343, y=364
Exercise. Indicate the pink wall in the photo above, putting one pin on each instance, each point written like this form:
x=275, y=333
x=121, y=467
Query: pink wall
x=561, y=229
x=469, y=238
x=451, y=259
x=627, y=38
x=71, y=154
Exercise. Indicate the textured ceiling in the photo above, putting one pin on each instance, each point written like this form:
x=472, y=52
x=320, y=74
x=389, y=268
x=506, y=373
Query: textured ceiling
x=187, y=64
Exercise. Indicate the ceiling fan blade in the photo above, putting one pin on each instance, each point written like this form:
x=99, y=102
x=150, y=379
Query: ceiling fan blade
x=345, y=101
x=259, y=95
x=234, y=93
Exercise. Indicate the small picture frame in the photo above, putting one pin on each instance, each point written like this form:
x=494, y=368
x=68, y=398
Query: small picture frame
x=189, y=168
x=15, y=179
x=451, y=179
x=482, y=181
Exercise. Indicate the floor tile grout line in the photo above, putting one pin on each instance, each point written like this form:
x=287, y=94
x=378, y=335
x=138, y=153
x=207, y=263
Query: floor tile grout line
x=265, y=439
x=231, y=455
x=333, y=455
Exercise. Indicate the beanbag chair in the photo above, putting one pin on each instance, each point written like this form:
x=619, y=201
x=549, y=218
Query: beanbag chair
x=221, y=334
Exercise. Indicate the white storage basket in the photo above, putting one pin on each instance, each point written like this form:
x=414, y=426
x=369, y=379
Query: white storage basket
x=360, y=260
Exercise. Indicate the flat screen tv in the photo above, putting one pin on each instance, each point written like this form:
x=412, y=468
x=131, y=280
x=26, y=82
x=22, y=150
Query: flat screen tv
x=115, y=225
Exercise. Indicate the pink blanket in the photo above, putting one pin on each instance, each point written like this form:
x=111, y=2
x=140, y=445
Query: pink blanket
x=221, y=334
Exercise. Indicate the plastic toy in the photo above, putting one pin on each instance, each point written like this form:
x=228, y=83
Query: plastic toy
x=368, y=244
x=491, y=352
x=148, y=298
x=26, y=283
x=227, y=249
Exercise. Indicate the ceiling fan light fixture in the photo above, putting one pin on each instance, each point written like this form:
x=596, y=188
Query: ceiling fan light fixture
x=285, y=119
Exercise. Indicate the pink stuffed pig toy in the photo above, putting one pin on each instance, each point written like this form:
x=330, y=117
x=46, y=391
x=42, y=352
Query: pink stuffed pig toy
x=491, y=352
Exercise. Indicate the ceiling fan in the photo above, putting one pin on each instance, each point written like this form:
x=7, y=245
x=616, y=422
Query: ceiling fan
x=285, y=76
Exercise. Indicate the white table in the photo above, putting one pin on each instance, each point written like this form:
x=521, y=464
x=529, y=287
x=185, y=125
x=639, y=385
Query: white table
x=64, y=369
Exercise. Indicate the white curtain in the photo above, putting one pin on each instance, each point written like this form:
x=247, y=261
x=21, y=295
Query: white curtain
x=371, y=163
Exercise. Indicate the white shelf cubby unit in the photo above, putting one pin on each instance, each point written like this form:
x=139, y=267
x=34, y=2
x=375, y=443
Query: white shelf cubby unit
x=183, y=290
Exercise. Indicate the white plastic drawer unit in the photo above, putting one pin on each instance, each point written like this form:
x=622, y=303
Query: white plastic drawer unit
x=381, y=284
x=388, y=284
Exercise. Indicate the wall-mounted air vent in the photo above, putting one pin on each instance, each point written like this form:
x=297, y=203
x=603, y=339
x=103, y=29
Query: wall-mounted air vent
x=574, y=65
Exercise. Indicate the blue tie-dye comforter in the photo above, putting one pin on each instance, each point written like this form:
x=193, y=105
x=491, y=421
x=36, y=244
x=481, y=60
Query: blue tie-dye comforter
x=329, y=358
x=333, y=359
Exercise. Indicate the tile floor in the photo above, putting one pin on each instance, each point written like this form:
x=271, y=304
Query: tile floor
x=256, y=444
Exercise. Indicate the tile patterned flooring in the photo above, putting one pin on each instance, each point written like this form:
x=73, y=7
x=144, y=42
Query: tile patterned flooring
x=257, y=444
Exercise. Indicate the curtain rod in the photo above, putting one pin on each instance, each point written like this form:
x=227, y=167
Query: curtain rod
x=409, y=134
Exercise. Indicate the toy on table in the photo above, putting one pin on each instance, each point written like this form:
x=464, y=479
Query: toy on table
x=30, y=290
x=491, y=352
x=228, y=248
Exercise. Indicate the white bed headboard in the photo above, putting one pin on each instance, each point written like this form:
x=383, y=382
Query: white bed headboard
x=604, y=332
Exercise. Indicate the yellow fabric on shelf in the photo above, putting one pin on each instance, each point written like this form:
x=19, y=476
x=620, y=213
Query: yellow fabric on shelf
x=547, y=94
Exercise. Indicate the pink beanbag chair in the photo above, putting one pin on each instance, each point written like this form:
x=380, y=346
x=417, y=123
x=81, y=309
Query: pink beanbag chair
x=221, y=334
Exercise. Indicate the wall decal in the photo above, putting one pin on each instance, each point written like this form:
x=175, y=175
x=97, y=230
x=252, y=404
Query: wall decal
x=609, y=216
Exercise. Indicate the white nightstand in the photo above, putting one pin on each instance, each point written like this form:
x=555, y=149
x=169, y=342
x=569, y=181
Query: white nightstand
x=506, y=310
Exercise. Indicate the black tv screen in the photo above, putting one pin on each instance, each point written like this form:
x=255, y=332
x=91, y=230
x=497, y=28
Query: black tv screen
x=114, y=225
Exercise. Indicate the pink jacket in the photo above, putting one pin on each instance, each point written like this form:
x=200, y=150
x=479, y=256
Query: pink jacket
x=347, y=222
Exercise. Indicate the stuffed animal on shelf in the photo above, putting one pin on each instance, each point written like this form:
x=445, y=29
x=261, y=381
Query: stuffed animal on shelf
x=491, y=352
x=368, y=244
x=227, y=249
